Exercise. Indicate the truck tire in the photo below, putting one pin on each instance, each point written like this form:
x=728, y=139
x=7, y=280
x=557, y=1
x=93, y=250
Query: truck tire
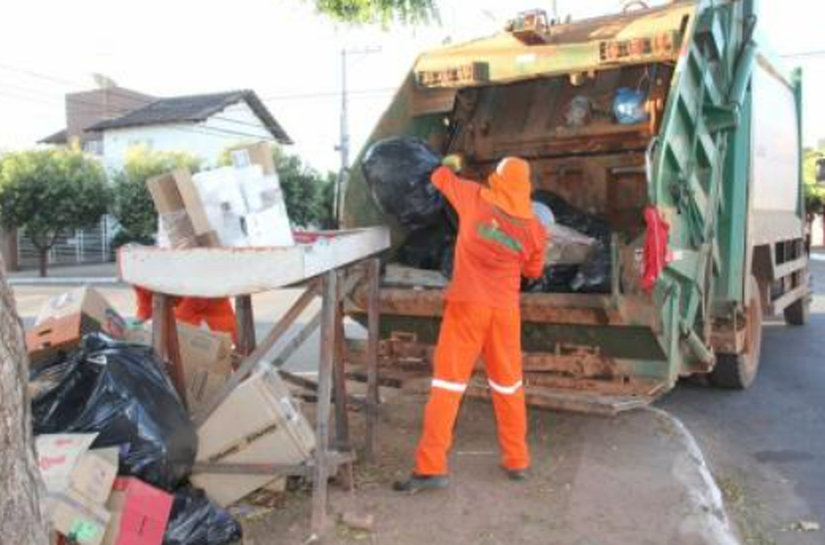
x=738, y=371
x=799, y=313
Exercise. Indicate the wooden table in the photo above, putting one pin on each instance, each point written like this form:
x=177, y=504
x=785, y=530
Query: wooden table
x=329, y=264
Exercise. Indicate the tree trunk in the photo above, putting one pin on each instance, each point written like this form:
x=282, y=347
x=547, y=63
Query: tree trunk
x=44, y=262
x=22, y=516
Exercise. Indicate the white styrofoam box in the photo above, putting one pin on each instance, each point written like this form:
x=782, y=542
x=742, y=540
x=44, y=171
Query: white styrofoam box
x=269, y=227
x=258, y=423
x=222, y=198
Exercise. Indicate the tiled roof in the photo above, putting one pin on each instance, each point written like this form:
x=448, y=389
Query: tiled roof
x=194, y=108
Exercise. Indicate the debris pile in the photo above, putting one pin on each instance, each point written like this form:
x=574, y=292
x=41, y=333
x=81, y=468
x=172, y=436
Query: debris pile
x=398, y=170
x=117, y=447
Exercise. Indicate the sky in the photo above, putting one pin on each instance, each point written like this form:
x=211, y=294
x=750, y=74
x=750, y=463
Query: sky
x=283, y=50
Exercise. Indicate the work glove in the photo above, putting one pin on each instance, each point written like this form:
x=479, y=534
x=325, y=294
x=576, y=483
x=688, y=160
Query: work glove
x=453, y=162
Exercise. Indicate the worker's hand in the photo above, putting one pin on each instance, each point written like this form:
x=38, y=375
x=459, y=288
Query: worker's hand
x=453, y=162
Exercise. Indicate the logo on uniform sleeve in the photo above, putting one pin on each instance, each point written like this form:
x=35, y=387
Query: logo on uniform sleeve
x=492, y=232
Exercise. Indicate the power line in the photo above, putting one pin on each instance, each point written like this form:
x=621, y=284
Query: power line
x=200, y=129
x=805, y=54
x=95, y=106
x=114, y=92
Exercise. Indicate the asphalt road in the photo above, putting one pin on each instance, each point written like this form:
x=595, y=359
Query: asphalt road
x=767, y=445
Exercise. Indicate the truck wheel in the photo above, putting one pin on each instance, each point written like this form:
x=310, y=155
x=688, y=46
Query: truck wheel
x=798, y=313
x=738, y=371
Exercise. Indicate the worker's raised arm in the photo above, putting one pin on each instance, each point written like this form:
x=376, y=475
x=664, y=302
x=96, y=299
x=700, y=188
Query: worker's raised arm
x=457, y=190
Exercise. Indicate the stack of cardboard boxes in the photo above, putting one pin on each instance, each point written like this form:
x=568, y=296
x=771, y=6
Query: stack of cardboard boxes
x=88, y=504
x=235, y=206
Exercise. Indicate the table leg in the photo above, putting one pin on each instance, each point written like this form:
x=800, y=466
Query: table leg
x=325, y=370
x=165, y=341
x=373, y=316
x=342, y=439
x=245, y=319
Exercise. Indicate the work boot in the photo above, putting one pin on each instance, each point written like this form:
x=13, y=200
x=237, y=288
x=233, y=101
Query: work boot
x=417, y=483
x=518, y=475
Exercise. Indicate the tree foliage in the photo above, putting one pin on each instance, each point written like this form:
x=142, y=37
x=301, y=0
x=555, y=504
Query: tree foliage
x=132, y=205
x=378, y=11
x=814, y=192
x=49, y=193
x=308, y=193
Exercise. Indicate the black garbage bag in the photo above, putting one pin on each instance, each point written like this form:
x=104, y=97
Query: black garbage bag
x=424, y=248
x=121, y=391
x=197, y=520
x=592, y=276
x=595, y=274
x=397, y=171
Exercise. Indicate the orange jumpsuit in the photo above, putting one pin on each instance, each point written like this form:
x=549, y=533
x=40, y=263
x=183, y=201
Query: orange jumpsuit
x=499, y=241
x=216, y=313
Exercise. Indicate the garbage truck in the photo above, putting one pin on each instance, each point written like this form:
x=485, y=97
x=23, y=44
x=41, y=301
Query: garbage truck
x=712, y=152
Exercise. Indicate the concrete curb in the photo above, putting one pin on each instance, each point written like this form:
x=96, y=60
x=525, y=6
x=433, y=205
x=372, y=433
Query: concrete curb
x=817, y=257
x=706, y=521
x=64, y=281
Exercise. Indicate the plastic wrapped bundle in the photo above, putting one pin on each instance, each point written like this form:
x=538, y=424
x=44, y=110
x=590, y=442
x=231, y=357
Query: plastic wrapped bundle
x=121, y=392
x=397, y=171
x=197, y=520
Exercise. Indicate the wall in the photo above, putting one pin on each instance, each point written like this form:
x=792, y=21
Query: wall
x=237, y=123
x=86, y=108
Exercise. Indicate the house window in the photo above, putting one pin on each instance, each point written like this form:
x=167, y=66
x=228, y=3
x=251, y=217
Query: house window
x=94, y=147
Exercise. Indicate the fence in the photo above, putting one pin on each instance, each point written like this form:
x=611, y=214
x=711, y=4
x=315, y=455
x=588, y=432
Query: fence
x=84, y=246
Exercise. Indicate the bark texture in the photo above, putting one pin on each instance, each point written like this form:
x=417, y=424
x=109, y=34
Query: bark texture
x=22, y=516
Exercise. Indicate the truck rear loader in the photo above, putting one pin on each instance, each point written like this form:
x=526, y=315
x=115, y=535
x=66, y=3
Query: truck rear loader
x=716, y=155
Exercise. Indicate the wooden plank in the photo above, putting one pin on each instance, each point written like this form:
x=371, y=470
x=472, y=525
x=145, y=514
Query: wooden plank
x=321, y=473
x=228, y=272
x=245, y=319
x=342, y=436
x=260, y=352
x=373, y=337
x=334, y=460
x=165, y=341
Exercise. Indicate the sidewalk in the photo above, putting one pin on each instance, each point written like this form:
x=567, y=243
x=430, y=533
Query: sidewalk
x=97, y=273
x=635, y=479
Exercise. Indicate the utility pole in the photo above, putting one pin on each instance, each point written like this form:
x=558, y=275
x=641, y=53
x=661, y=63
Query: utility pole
x=343, y=146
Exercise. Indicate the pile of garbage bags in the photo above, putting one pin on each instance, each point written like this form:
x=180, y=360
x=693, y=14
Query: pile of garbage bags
x=121, y=392
x=398, y=170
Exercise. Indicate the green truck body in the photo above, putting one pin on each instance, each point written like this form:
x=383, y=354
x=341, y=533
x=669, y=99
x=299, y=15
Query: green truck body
x=718, y=156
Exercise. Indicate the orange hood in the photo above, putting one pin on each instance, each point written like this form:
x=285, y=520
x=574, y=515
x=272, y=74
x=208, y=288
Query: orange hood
x=510, y=188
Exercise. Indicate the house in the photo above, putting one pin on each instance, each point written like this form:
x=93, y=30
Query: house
x=107, y=122
x=202, y=125
x=87, y=108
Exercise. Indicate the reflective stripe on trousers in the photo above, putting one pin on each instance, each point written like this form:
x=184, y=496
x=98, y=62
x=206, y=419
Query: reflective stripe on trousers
x=468, y=332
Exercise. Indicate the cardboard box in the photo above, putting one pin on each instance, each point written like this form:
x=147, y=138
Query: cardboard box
x=78, y=482
x=140, y=513
x=77, y=517
x=255, y=154
x=196, y=209
x=258, y=423
x=64, y=320
x=175, y=224
x=57, y=456
x=206, y=358
x=207, y=363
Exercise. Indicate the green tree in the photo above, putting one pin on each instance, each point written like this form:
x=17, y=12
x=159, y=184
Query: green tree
x=814, y=192
x=378, y=11
x=49, y=193
x=307, y=192
x=132, y=205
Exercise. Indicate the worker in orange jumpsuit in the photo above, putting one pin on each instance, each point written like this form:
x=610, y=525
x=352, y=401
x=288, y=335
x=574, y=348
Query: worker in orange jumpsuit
x=499, y=241
x=217, y=313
